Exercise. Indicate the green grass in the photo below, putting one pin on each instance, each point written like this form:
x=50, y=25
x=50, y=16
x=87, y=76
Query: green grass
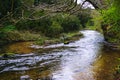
x=68, y=37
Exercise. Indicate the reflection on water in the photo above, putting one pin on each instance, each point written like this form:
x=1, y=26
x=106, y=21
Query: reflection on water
x=83, y=60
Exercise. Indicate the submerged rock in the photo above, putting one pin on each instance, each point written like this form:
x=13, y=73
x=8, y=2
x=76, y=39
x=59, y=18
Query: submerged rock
x=66, y=42
x=112, y=46
x=45, y=78
x=7, y=55
x=26, y=77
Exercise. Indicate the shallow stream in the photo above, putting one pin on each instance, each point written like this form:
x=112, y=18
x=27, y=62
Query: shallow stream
x=85, y=59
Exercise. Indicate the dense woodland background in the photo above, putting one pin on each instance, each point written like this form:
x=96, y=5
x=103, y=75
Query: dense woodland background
x=51, y=18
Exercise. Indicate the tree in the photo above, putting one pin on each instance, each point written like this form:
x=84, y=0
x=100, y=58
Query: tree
x=111, y=17
x=8, y=6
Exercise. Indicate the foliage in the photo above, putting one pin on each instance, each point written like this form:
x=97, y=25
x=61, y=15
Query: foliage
x=44, y=24
x=10, y=34
x=95, y=22
x=36, y=2
x=9, y=6
x=25, y=25
x=40, y=41
x=28, y=2
x=51, y=26
x=85, y=16
x=6, y=29
x=59, y=17
x=68, y=22
x=54, y=30
x=111, y=17
x=40, y=25
x=32, y=20
x=71, y=23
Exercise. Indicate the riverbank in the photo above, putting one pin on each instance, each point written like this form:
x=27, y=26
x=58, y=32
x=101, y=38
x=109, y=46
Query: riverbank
x=17, y=36
x=106, y=67
x=31, y=46
x=112, y=46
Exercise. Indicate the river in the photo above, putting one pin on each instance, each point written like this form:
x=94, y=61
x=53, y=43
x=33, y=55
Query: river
x=85, y=59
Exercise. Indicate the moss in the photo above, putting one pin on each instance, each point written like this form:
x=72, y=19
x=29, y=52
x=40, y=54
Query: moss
x=10, y=54
x=7, y=55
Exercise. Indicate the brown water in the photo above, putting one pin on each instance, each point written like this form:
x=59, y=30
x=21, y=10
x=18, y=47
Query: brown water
x=85, y=59
x=19, y=48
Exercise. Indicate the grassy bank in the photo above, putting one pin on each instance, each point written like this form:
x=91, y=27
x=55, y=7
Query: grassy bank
x=65, y=38
x=52, y=27
x=10, y=50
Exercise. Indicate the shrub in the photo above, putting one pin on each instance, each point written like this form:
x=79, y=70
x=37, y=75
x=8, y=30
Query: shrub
x=10, y=33
x=26, y=25
x=51, y=26
x=6, y=29
x=111, y=17
x=19, y=36
x=36, y=2
x=54, y=30
x=9, y=6
x=68, y=22
x=85, y=16
x=59, y=17
x=40, y=41
x=71, y=23
x=41, y=25
x=44, y=24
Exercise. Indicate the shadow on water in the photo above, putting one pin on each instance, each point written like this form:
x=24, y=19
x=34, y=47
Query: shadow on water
x=85, y=59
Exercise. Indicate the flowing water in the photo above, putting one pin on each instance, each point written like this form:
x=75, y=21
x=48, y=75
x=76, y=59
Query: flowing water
x=85, y=59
